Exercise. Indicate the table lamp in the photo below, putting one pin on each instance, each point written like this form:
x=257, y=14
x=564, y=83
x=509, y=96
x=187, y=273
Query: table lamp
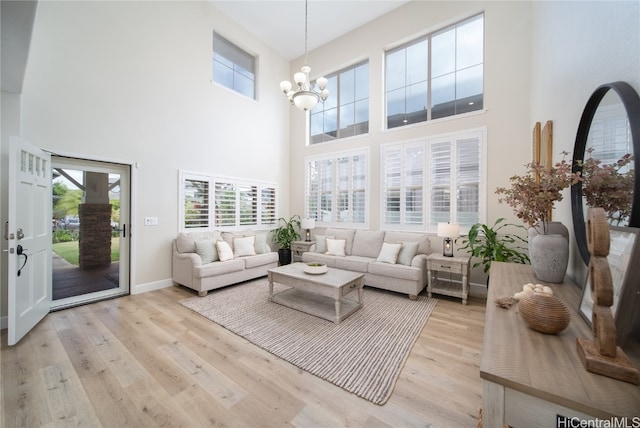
x=308, y=224
x=449, y=232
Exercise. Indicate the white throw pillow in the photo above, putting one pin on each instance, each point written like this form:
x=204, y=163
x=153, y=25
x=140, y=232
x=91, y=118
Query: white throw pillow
x=224, y=251
x=261, y=243
x=206, y=249
x=389, y=252
x=335, y=247
x=244, y=246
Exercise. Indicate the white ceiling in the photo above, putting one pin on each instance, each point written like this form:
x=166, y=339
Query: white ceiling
x=280, y=23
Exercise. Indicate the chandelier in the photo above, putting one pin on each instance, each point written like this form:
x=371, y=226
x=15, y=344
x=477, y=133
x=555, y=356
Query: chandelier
x=304, y=96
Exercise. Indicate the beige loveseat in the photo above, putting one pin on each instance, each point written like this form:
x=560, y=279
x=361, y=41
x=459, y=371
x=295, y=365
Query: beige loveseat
x=196, y=262
x=363, y=253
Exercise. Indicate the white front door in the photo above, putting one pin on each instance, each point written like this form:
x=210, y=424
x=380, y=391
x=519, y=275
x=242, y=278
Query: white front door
x=29, y=235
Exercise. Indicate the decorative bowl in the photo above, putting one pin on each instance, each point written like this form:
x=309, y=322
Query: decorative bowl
x=315, y=268
x=544, y=313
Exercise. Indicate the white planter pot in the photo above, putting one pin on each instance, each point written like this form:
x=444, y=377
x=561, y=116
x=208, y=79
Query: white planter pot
x=549, y=254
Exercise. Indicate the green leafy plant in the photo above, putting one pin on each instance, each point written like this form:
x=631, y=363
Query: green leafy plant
x=492, y=244
x=286, y=232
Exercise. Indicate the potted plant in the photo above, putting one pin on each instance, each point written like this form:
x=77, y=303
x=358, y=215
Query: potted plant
x=284, y=235
x=490, y=243
x=605, y=186
x=532, y=197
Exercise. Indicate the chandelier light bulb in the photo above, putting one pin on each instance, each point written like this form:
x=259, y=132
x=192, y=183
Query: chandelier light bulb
x=322, y=82
x=285, y=86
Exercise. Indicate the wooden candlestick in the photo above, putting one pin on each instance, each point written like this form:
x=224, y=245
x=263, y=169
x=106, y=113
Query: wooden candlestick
x=602, y=355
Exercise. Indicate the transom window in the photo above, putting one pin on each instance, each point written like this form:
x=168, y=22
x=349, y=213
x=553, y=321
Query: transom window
x=233, y=67
x=336, y=189
x=438, y=75
x=346, y=112
x=209, y=202
x=433, y=181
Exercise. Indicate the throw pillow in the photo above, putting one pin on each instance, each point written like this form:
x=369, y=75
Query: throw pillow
x=206, y=249
x=261, y=243
x=408, y=252
x=321, y=243
x=389, y=252
x=224, y=251
x=335, y=247
x=244, y=246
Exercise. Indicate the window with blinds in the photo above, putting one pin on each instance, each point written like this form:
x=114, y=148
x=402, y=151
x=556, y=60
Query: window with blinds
x=233, y=67
x=336, y=189
x=196, y=203
x=221, y=203
x=432, y=181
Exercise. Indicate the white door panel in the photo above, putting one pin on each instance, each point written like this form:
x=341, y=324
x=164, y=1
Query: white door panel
x=29, y=233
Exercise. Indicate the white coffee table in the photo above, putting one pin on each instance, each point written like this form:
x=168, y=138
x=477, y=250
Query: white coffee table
x=319, y=295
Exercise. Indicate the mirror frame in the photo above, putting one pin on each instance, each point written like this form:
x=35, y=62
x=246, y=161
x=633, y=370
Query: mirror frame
x=631, y=102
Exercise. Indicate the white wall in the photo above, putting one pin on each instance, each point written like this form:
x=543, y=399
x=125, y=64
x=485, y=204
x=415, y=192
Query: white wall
x=578, y=46
x=131, y=81
x=507, y=89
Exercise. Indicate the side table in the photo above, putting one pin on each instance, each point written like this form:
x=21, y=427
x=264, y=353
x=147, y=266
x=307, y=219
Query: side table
x=458, y=265
x=299, y=247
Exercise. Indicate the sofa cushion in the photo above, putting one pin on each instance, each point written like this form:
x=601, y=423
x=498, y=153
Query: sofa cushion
x=218, y=268
x=353, y=263
x=310, y=257
x=336, y=247
x=343, y=234
x=261, y=244
x=228, y=236
x=186, y=242
x=260, y=259
x=395, y=271
x=389, y=252
x=244, y=246
x=367, y=243
x=225, y=253
x=422, y=239
x=408, y=252
x=206, y=249
x=321, y=243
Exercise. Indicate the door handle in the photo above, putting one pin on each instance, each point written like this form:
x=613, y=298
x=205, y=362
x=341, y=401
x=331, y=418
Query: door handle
x=21, y=252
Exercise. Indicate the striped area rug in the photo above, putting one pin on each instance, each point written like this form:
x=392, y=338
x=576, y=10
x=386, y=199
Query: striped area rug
x=364, y=354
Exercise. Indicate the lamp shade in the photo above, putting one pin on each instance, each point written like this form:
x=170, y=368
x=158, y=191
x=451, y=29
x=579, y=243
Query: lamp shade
x=305, y=100
x=308, y=223
x=448, y=230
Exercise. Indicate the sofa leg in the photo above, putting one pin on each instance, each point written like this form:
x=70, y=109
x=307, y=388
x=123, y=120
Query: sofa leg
x=413, y=297
x=202, y=293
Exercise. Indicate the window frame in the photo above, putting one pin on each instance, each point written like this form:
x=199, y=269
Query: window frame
x=334, y=192
x=336, y=94
x=428, y=115
x=266, y=211
x=235, y=69
x=428, y=224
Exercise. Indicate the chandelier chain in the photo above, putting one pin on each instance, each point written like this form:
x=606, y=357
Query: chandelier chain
x=306, y=8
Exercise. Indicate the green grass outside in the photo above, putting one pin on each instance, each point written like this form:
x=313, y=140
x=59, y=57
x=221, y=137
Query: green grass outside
x=69, y=251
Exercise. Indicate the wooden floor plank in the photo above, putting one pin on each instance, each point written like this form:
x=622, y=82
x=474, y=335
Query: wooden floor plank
x=145, y=360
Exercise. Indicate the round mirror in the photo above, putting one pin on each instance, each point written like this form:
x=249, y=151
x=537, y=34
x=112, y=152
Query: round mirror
x=609, y=129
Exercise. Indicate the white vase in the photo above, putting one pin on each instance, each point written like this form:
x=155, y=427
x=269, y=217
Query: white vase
x=549, y=253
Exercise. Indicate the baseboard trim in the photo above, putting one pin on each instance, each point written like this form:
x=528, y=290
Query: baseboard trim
x=151, y=286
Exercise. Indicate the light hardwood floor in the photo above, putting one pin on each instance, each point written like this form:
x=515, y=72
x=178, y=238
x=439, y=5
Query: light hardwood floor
x=146, y=361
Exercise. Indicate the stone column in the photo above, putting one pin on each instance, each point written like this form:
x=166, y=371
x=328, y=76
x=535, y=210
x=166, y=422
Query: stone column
x=95, y=235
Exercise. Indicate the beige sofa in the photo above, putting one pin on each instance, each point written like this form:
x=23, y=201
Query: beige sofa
x=195, y=266
x=362, y=251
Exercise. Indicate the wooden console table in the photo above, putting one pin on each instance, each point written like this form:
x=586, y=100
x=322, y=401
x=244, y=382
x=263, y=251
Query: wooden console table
x=530, y=378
